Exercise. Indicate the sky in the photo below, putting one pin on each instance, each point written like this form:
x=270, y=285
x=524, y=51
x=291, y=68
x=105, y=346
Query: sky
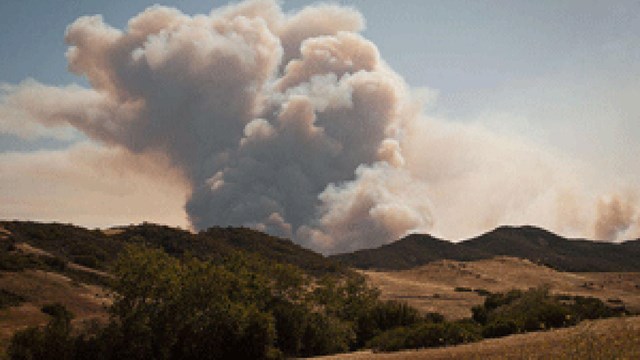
x=556, y=79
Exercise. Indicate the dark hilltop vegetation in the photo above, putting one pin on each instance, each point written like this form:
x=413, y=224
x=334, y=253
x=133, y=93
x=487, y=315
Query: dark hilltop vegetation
x=527, y=242
x=99, y=248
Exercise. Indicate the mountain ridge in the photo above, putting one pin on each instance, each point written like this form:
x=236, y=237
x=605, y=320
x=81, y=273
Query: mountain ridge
x=95, y=248
x=527, y=242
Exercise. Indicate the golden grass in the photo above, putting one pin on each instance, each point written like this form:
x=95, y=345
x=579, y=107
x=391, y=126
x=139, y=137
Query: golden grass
x=28, y=249
x=113, y=231
x=39, y=288
x=432, y=287
x=617, y=338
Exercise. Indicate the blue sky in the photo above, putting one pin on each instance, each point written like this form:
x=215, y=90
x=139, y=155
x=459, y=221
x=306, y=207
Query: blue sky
x=538, y=63
x=448, y=45
x=560, y=75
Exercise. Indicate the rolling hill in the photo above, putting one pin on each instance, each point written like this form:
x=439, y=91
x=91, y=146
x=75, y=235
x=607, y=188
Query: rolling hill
x=96, y=249
x=527, y=242
x=45, y=263
x=452, y=287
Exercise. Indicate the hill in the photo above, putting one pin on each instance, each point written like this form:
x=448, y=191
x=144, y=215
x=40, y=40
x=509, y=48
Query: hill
x=526, y=242
x=408, y=252
x=96, y=249
x=45, y=263
x=452, y=287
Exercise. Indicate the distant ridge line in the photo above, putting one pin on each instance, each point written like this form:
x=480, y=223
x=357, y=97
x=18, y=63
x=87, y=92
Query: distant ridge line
x=536, y=244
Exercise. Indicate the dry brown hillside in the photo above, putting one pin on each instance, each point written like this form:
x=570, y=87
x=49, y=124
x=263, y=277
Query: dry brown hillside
x=37, y=288
x=445, y=286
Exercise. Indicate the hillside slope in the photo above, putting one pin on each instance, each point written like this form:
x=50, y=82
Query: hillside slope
x=98, y=248
x=41, y=264
x=452, y=287
x=527, y=242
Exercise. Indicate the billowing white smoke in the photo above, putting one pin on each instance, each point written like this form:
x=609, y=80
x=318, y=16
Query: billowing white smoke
x=291, y=124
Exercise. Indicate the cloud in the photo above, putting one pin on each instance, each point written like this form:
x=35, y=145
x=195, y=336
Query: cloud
x=288, y=123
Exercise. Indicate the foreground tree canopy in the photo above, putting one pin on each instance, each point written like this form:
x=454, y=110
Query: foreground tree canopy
x=242, y=308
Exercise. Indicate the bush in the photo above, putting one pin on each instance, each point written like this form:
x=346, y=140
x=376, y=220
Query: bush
x=54, y=263
x=326, y=335
x=593, y=308
x=7, y=299
x=54, y=341
x=392, y=340
x=10, y=261
x=480, y=314
x=56, y=310
x=462, y=289
x=500, y=328
x=536, y=309
x=27, y=344
x=434, y=317
x=290, y=324
x=89, y=261
x=425, y=335
x=482, y=292
x=493, y=301
x=384, y=316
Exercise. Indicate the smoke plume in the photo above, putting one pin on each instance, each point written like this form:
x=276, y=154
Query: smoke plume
x=293, y=124
x=616, y=215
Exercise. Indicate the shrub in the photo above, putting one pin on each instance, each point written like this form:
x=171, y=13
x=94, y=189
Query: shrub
x=493, y=301
x=383, y=316
x=593, y=308
x=479, y=314
x=54, y=341
x=536, y=309
x=89, y=261
x=7, y=299
x=392, y=340
x=17, y=261
x=54, y=263
x=425, y=335
x=326, y=335
x=290, y=324
x=56, y=310
x=532, y=310
x=462, y=289
x=482, y=292
x=499, y=328
x=434, y=317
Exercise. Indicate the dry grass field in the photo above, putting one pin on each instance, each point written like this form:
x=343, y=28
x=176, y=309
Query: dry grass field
x=617, y=338
x=38, y=288
x=433, y=287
